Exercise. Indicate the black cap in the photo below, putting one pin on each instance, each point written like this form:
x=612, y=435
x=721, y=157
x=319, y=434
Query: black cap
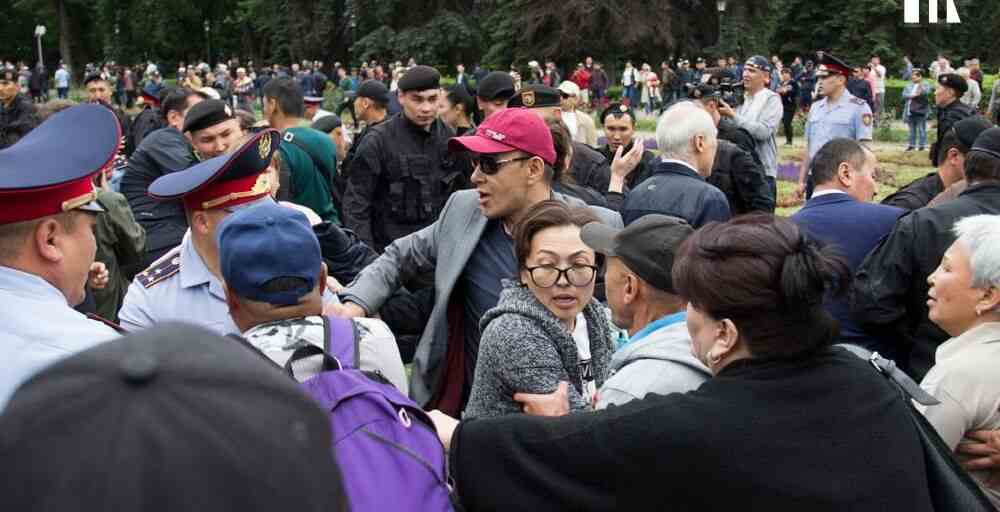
x=207, y=113
x=327, y=124
x=618, y=110
x=93, y=77
x=969, y=129
x=420, y=78
x=172, y=418
x=373, y=90
x=988, y=142
x=955, y=81
x=646, y=246
x=536, y=96
x=497, y=85
x=702, y=91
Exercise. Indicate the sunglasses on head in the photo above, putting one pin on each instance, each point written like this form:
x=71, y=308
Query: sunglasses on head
x=489, y=165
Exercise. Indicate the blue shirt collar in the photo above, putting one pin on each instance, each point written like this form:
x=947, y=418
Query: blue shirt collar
x=655, y=326
x=193, y=270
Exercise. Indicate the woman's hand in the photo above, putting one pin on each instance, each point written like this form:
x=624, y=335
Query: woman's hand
x=445, y=426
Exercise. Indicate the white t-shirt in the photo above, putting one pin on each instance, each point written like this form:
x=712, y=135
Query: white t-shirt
x=582, y=340
x=571, y=122
x=880, y=79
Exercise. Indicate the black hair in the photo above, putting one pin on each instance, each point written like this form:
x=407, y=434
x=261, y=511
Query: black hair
x=765, y=275
x=288, y=94
x=829, y=157
x=176, y=101
x=459, y=95
x=980, y=167
x=948, y=141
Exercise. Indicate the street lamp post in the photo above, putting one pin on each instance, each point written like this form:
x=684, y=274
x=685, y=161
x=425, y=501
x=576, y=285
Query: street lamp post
x=208, y=42
x=39, y=32
x=721, y=6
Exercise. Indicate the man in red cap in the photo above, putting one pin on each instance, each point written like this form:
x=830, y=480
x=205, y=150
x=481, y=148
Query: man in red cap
x=469, y=249
x=47, y=241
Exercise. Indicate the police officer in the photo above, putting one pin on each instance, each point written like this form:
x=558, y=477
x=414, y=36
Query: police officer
x=402, y=172
x=184, y=284
x=589, y=167
x=371, y=103
x=838, y=114
x=47, y=244
x=951, y=110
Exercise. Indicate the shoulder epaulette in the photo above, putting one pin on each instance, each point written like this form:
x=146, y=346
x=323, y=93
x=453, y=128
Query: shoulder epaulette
x=858, y=101
x=161, y=269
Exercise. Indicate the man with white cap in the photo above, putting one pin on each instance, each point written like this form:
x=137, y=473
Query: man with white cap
x=581, y=126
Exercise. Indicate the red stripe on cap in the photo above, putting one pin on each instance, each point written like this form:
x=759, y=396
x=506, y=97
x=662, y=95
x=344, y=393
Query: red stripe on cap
x=228, y=193
x=27, y=204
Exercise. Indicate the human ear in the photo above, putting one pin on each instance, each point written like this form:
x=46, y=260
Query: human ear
x=46, y=236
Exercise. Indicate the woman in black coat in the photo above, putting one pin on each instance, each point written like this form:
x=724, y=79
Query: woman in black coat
x=787, y=423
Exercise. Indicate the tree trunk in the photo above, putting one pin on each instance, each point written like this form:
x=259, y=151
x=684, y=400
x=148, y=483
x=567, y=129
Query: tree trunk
x=65, y=38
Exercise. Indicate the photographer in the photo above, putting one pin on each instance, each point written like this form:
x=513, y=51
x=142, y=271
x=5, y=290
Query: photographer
x=759, y=114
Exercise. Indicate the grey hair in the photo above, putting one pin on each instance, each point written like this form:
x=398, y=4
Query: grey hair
x=980, y=234
x=678, y=125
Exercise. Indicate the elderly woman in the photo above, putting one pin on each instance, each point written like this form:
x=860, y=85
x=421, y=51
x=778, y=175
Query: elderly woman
x=786, y=423
x=547, y=326
x=964, y=300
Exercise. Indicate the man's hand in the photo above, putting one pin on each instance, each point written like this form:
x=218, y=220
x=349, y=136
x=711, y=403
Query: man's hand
x=800, y=191
x=986, y=452
x=623, y=165
x=725, y=110
x=345, y=310
x=552, y=404
x=445, y=426
x=333, y=285
x=98, y=277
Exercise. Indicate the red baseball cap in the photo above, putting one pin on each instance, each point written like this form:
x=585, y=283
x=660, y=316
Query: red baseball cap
x=512, y=129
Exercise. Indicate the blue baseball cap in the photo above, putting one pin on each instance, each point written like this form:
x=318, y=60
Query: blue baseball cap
x=264, y=242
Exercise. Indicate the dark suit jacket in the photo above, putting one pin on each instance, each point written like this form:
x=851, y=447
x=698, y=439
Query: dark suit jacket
x=675, y=189
x=854, y=228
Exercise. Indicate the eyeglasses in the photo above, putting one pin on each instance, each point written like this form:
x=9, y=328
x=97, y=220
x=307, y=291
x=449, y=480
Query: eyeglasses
x=489, y=166
x=546, y=276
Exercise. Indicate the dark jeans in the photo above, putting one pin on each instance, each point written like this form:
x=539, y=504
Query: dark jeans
x=786, y=122
x=62, y=92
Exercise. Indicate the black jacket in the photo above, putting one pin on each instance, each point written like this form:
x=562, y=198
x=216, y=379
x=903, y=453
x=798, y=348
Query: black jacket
x=16, y=120
x=741, y=179
x=917, y=194
x=162, y=152
x=144, y=123
x=399, y=180
x=826, y=433
x=590, y=169
x=675, y=189
x=638, y=175
x=889, y=295
x=340, y=180
x=947, y=116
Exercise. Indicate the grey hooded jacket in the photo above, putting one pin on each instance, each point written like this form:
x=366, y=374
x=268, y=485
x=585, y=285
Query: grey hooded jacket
x=660, y=363
x=444, y=247
x=524, y=348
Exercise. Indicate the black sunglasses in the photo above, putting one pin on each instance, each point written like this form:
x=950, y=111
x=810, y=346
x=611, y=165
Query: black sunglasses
x=490, y=166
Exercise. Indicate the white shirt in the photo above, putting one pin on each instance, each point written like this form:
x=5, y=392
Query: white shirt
x=880, y=79
x=39, y=329
x=582, y=340
x=62, y=78
x=571, y=122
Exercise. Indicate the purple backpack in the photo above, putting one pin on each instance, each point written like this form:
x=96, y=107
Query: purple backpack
x=385, y=444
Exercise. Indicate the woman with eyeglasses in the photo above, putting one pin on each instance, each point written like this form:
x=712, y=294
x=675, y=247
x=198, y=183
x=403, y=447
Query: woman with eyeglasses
x=547, y=326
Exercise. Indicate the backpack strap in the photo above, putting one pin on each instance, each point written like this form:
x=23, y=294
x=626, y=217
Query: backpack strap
x=329, y=174
x=330, y=363
x=342, y=340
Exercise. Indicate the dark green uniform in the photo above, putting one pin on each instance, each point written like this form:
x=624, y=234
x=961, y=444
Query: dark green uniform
x=121, y=246
x=309, y=158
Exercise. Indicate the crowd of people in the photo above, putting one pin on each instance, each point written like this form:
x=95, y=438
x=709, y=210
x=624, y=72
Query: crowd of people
x=576, y=324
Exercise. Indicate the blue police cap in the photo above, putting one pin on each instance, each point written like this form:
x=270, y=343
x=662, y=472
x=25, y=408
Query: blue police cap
x=264, y=242
x=51, y=169
x=223, y=181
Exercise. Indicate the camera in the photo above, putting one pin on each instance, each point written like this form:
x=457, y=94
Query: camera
x=731, y=91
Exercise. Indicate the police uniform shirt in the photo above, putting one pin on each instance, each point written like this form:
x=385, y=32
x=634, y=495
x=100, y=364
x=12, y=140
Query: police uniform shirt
x=179, y=287
x=849, y=117
x=39, y=328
